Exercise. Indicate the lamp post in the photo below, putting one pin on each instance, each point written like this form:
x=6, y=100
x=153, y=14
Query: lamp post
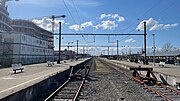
x=122, y=51
x=77, y=50
x=59, y=58
x=154, y=49
x=145, y=61
x=117, y=50
x=53, y=18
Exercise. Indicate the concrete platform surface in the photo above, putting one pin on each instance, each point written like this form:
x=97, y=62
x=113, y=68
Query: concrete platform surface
x=168, y=69
x=32, y=74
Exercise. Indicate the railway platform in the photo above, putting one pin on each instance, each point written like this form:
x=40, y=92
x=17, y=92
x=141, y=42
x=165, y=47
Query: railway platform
x=169, y=73
x=32, y=74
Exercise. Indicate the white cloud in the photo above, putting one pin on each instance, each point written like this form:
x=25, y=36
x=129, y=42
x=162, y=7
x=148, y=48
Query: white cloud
x=75, y=27
x=152, y=24
x=130, y=40
x=112, y=16
x=107, y=25
x=46, y=23
x=163, y=26
x=66, y=23
x=102, y=16
x=82, y=26
x=105, y=16
x=86, y=24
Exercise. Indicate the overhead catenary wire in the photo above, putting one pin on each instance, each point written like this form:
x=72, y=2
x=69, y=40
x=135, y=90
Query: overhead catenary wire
x=80, y=19
x=76, y=11
x=72, y=17
x=69, y=12
x=149, y=9
x=170, y=5
x=134, y=24
x=160, y=13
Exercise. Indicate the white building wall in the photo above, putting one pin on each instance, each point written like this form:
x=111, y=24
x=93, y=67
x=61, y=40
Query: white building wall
x=28, y=49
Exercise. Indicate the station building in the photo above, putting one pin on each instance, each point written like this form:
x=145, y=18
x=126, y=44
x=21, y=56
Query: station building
x=169, y=57
x=64, y=55
x=22, y=41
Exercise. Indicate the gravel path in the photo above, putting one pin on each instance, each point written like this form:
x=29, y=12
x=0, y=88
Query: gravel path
x=107, y=84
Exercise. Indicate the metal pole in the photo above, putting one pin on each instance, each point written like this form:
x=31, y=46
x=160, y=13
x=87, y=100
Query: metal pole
x=126, y=50
x=145, y=42
x=117, y=50
x=153, y=49
x=108, y=51
x=83, y=50
x=77, y=47
x=58, y=62
x=68, y=46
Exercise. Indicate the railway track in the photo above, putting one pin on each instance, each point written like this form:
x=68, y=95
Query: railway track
x=108, y=81
x=158, y=89
x=161, y=90
x=71, y=89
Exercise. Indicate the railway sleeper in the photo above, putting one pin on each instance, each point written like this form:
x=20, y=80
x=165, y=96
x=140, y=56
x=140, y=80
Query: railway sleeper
x=61, y=100
x=156, y=95
x=69, y=88
x=172, y=96
x=65, y=96
x=68, y=92
x=164, y=91
x=72, y=84
x=157, y=88
x=82, y=98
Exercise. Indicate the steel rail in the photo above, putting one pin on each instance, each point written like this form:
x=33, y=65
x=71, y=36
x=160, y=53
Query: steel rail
x=50, y=97
x=79, y=89
x=57, y=90
x=172, y=90
x=158, y=93
x=82, y=83
x=64, y=84
x=167, y=98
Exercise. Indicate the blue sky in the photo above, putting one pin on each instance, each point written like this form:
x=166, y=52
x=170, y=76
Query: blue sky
x=105, y=16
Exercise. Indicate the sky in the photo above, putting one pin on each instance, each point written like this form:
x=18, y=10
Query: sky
x=105, y=17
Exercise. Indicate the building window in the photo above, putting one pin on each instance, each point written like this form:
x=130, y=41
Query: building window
x=28, y=48
x=23, y=38
x=23, y=48
x=33, y=49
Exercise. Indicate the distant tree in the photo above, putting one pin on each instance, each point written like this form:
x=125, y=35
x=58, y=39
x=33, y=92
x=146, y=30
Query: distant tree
x=167, y=47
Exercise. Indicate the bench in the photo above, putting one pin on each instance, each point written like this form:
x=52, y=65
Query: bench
x=16, y=67
x=50, y=63
x=162, y=64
